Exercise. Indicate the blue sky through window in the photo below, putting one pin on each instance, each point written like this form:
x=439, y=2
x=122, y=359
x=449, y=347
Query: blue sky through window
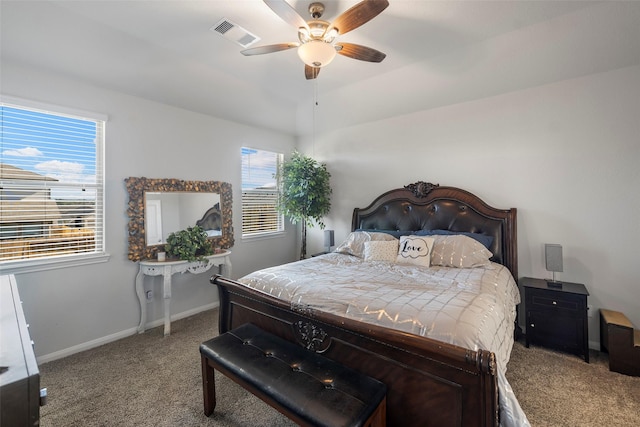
x=58, y=147
x=258, y=168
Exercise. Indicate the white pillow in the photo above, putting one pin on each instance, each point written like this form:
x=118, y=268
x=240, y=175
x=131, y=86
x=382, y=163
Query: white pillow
x=381, y=250
x=459, y=251
x=354, y=243
x=415, y=250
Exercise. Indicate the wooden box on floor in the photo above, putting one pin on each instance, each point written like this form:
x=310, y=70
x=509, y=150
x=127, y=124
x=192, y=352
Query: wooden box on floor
x=621, y=341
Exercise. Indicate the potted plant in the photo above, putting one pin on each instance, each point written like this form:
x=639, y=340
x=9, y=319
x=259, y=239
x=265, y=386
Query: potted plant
x=305, y=194
x=191, y=244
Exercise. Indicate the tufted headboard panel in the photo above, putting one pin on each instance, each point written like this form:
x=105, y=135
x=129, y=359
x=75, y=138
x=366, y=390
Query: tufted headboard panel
x=425, y=206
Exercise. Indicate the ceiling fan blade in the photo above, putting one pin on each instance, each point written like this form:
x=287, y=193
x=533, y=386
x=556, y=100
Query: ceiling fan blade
x=261, y=50
x=362, y=53
x=287, y=13
x=358, y=15
x=311, y=72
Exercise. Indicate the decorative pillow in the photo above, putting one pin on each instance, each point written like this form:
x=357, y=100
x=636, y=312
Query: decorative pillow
x=394, y=233
x=459, y=251
x=485, y=239
x=381, y=250
x=415, y=250
x=354, y=243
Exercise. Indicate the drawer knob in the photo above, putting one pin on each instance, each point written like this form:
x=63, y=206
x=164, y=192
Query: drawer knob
x=533, y=325
x=555, y=303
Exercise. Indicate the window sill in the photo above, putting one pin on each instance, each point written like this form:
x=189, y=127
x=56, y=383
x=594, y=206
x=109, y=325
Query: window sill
x=35, y=265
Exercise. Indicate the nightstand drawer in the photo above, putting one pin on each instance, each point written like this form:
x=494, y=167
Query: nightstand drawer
x=549, y=301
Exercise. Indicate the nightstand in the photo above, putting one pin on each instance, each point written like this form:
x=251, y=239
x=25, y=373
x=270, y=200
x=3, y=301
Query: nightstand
x=556, y=317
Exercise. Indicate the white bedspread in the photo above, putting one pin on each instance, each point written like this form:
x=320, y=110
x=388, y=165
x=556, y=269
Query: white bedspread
x=474, y=308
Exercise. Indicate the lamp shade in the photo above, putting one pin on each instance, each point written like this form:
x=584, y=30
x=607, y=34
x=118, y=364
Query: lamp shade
x=553, y=257
x=316, y=53
x=328, y=238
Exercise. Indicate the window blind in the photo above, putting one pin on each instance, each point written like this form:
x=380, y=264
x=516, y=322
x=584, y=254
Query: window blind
x=259, y=213
x=51, y=184
x=260, y=193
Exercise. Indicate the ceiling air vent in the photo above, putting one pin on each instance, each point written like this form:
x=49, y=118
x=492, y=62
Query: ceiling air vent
x=235, y=33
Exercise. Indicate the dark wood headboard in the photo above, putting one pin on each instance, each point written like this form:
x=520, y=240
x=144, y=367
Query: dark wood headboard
x=426, y=206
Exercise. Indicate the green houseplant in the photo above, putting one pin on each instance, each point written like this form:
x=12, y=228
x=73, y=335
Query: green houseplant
x=305, y=194
x=191, y=244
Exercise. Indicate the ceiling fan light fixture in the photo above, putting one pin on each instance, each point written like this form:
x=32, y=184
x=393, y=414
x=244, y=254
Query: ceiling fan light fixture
x=317, y=37
x=317, y=30
x=330, y=35
x=317, y=53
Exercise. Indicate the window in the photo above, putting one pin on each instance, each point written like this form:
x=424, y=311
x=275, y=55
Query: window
x=51, y=185
x=260, y=193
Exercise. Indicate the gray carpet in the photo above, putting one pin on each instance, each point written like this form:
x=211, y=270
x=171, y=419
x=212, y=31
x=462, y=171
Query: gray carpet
x=150, y=380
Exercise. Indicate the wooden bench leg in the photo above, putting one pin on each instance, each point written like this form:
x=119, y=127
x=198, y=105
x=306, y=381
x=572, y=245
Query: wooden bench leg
x=379, y=417
x=208, y=387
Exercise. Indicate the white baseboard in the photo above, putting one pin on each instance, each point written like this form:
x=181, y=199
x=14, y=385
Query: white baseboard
x=119, y=335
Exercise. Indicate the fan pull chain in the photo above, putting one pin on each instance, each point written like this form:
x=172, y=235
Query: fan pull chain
x=315, y=106
x=315, y=91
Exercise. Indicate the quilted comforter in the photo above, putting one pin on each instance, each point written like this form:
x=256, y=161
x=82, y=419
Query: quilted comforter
x=473, y=308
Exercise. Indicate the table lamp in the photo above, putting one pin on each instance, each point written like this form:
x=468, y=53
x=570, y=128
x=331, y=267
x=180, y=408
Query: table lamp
x=553, y=262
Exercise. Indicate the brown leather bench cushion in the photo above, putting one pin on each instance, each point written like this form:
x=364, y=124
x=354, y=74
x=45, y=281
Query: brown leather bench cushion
x=311, y=387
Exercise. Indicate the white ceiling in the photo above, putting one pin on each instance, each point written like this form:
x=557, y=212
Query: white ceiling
x=438, y=53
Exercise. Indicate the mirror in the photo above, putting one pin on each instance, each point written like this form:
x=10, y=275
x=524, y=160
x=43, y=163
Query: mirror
x=158, y=207
x=167, y=212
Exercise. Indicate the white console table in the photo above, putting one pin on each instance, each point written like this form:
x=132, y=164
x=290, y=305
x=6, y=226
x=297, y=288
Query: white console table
x=168, y=269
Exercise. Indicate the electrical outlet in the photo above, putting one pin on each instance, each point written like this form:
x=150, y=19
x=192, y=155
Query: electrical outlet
x=589, y=310
x=149, y=295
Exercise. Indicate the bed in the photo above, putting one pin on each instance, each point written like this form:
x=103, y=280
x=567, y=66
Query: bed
x=438, y=336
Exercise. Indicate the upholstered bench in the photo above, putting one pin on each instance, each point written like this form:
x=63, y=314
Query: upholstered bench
x=305, y=386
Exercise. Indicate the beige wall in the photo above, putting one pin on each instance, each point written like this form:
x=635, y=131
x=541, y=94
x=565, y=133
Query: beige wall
x=564, y=154
x=76, y=308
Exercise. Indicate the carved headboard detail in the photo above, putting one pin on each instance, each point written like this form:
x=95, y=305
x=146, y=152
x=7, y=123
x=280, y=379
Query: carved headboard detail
x=421, y=189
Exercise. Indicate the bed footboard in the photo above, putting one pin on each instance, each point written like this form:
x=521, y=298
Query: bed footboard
x=429, y=383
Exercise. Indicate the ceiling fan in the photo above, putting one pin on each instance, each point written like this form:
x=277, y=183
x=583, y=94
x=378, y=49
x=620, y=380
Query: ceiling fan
x=318, y=45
